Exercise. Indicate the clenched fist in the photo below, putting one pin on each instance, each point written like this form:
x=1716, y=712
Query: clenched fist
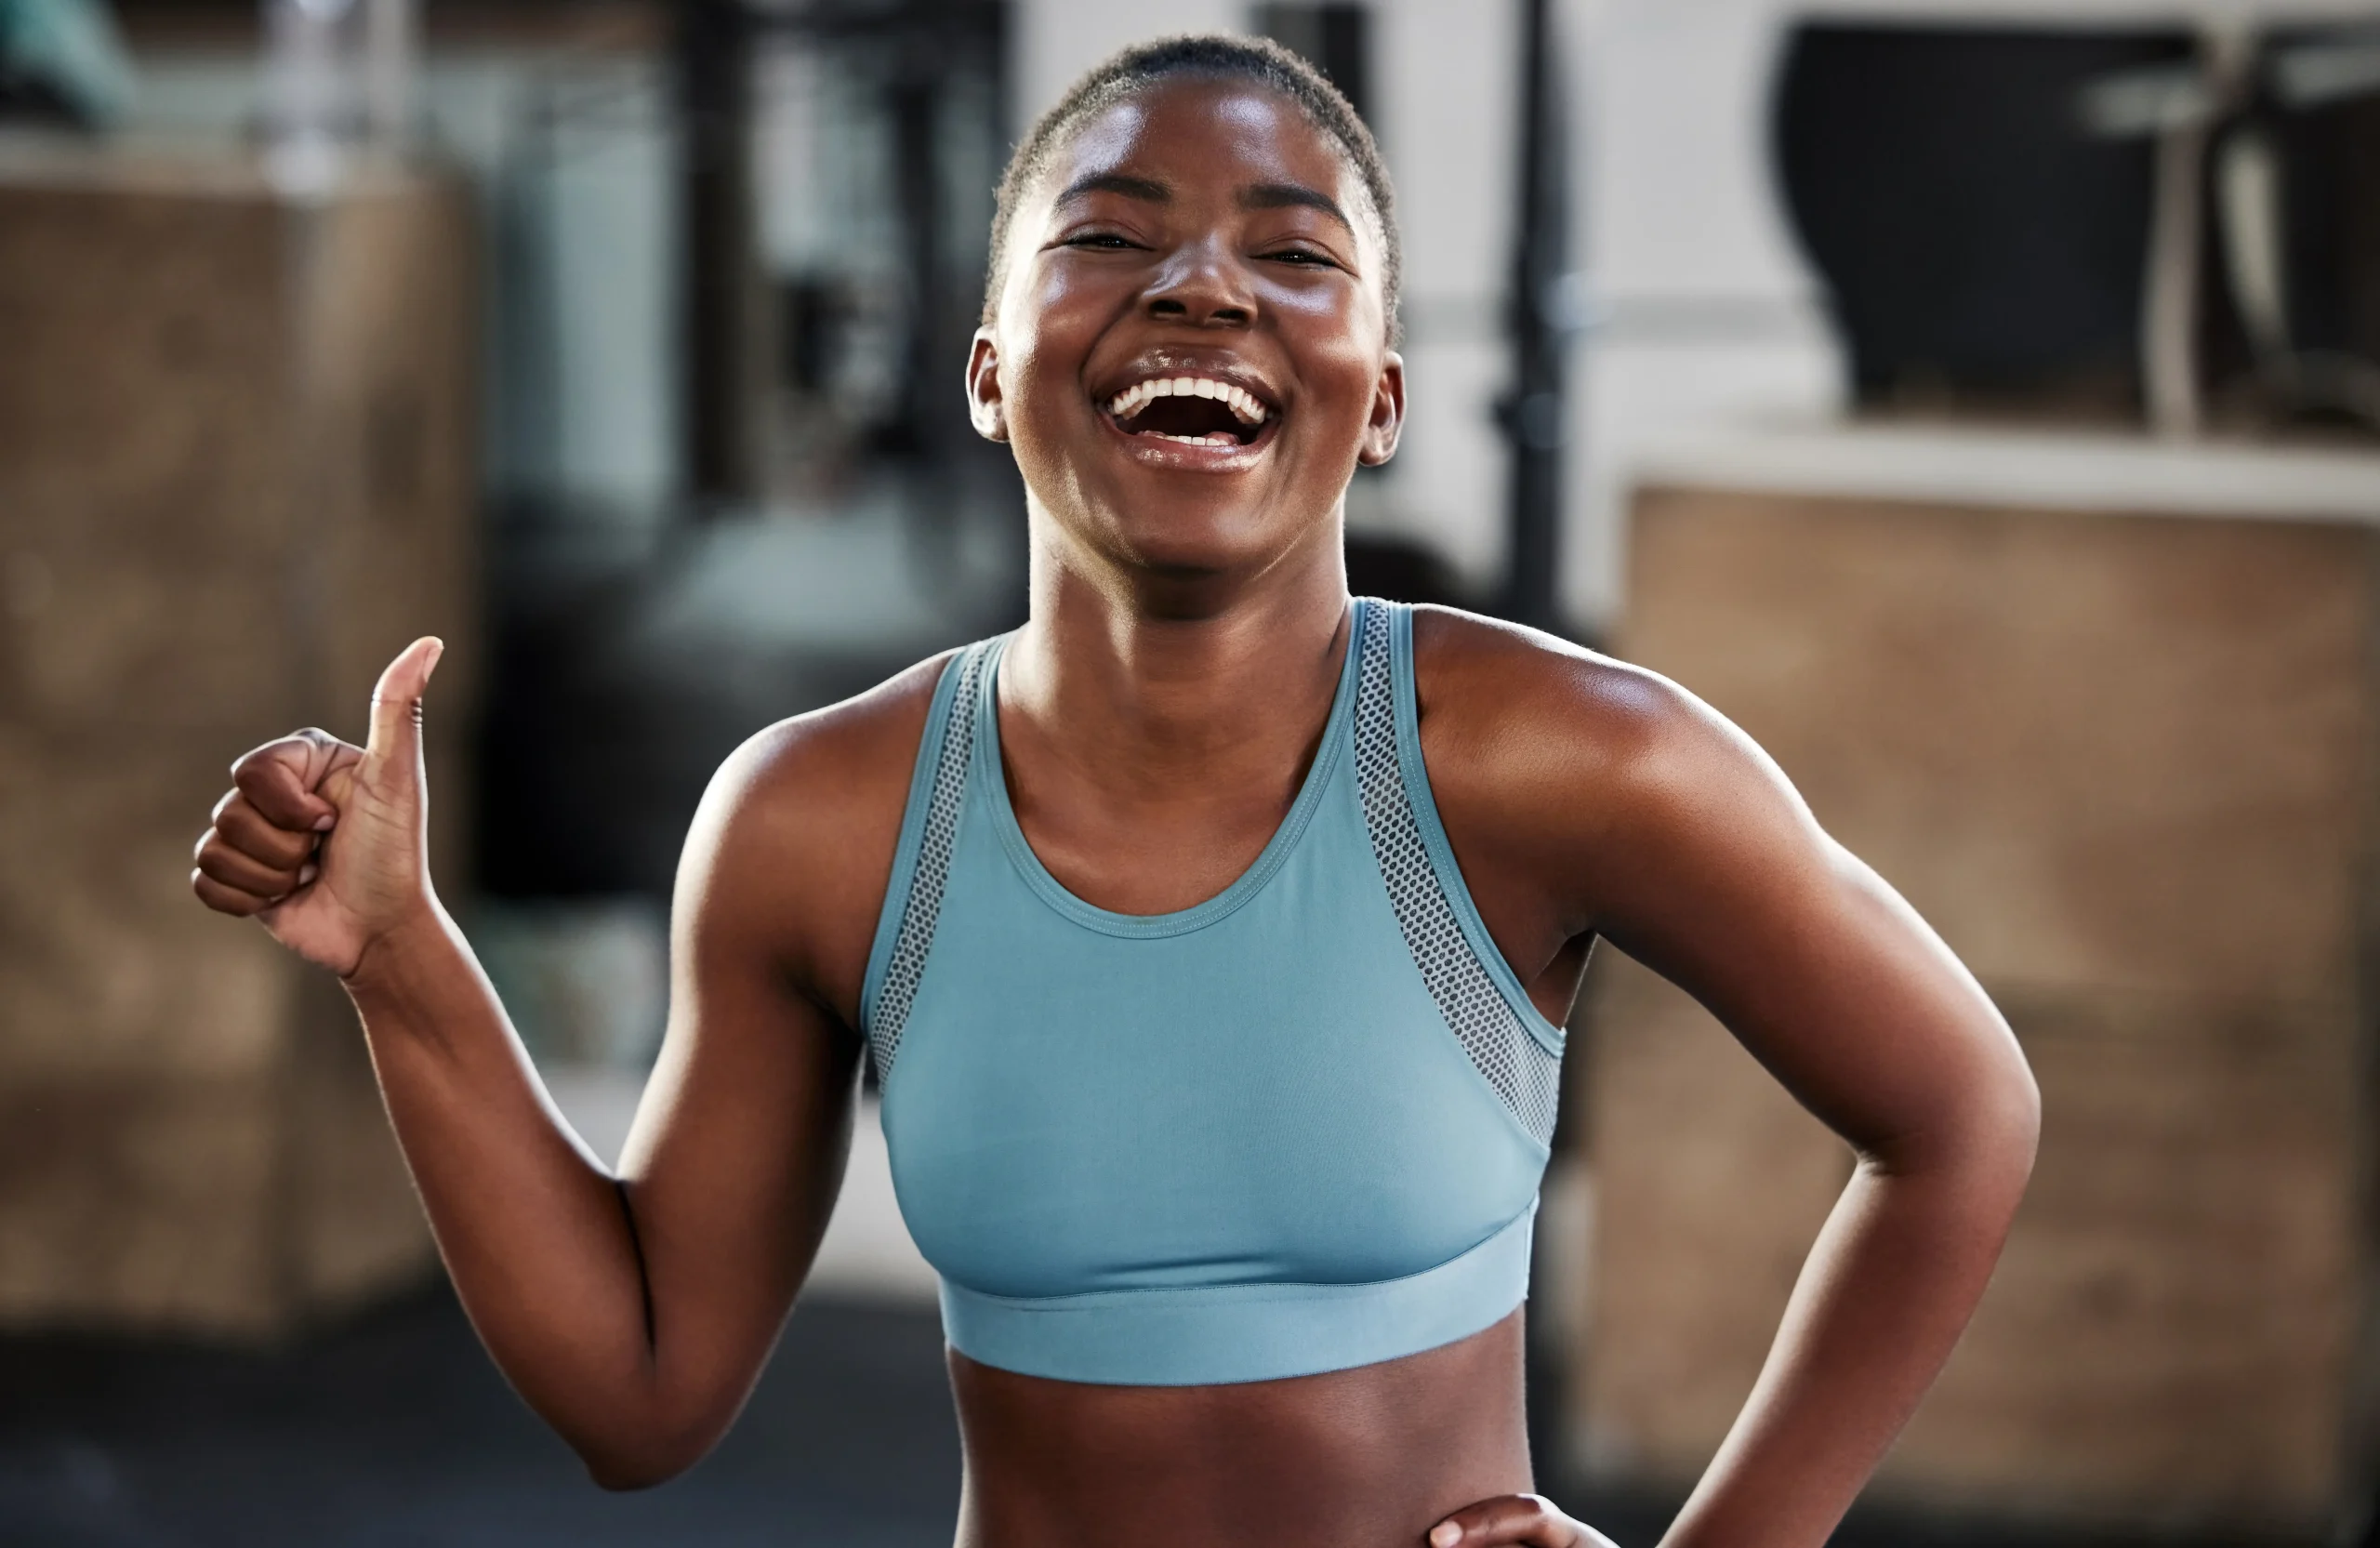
x=324, y=842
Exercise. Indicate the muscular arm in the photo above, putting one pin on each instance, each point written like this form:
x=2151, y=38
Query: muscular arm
x=1722, y=883
x=1629, y=810
x=632, y=1311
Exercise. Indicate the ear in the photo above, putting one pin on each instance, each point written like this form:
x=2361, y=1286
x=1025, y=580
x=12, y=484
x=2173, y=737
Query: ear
x=985, y=405
x=1387, y=421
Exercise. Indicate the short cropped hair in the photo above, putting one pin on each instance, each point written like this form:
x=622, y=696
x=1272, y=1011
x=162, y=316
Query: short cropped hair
x=1209, y=56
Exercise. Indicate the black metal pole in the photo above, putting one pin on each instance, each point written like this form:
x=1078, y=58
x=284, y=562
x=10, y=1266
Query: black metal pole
x=1536, y=418
x=721, y=285
x=1534, y=412
x=926, y=370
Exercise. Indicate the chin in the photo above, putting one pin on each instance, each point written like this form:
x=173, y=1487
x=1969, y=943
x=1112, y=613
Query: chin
x=1193, y=540
x=1181, y=525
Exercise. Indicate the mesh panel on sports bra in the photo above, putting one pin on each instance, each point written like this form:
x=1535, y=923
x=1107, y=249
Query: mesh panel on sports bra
x=1516, y=1065
x=923, y=905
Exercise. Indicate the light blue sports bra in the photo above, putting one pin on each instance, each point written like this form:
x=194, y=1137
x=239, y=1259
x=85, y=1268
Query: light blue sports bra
x=1297, y=1128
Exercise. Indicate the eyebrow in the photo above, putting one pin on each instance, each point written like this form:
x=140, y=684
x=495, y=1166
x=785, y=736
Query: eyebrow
x=1293, y=197
x=1147, y=190
x=1254, y=196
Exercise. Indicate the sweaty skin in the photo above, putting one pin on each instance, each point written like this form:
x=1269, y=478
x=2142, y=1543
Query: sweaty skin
x=1188, y=617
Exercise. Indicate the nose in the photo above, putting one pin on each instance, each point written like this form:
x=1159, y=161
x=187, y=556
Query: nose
x=1203, y=284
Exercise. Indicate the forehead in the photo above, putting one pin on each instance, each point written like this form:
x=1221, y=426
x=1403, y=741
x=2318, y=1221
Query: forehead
x=1195, y=133
x=1196, y=118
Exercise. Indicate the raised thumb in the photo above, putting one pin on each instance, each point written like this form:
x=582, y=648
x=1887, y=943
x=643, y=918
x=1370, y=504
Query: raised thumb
x=394, y=745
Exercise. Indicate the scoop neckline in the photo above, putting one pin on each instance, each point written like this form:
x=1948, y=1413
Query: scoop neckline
x=992, y=776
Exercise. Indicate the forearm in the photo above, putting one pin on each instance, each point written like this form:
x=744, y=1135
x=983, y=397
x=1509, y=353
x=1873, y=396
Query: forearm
x=1881, y=1302
x=535, y=1233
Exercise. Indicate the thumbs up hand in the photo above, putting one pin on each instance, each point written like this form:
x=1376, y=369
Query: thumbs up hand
x=322, y=842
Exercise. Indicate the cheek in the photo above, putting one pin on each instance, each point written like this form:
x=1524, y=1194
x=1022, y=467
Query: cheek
x=1337, y=332
x=1069, y=302
x=1333, y=302
x=1055, y=321
x=1346, y=374
x=1037, y=385
x=1044, y=428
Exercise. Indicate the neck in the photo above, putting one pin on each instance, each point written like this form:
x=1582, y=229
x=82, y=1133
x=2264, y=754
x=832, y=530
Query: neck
x=1160, y=681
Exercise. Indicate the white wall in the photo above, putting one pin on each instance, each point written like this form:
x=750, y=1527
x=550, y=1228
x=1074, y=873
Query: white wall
x=1707, y=313
x=1447, y=118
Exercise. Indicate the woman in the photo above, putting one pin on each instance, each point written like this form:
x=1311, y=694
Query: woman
x=1211, y=935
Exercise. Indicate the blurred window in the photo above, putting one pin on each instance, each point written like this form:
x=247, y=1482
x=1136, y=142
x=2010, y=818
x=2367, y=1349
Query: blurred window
x=877, y=141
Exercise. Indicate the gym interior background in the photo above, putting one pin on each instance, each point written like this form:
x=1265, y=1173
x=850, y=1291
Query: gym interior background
x=1978, y=399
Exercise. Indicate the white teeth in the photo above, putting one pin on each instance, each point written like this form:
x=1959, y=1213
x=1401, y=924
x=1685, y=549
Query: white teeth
x=1242, y=402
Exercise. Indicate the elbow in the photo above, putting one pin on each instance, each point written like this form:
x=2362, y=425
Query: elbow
x=1981, y=1141
x=2000, y=1136
x=2032, y=1118
x=624, y=1464
x=2017, y=1116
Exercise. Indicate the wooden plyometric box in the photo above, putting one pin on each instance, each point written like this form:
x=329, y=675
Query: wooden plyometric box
x=2124, y=762
x=235, y=477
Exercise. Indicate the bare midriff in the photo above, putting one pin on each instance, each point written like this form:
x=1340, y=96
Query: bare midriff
x=1367, y=1457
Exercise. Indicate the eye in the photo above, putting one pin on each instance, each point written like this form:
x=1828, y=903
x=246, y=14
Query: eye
x=1103, y=242
x=1308, y=258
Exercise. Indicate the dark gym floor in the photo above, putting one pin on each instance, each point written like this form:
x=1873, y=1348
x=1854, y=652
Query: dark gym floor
x=395, y=1432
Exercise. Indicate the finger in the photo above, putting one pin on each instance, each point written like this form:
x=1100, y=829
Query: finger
x=220, y=861
x=242, y=826
x=227, y=900
x=395, y=744
x=1513, y=1519
x=280, y=777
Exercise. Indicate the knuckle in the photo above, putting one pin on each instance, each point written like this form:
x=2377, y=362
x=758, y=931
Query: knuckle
x=282, y=755
x=248, y=830
x=234, y=869
x=217, y=897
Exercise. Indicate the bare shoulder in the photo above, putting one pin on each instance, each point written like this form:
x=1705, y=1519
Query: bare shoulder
x=1564, y=762
x=1515, y=705
x=792, y=848
x=838, y=763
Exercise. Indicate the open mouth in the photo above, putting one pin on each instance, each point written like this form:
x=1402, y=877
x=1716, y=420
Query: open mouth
x=1192, y=411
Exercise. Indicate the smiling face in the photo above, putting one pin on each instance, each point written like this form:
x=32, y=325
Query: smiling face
x=1189, y=354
